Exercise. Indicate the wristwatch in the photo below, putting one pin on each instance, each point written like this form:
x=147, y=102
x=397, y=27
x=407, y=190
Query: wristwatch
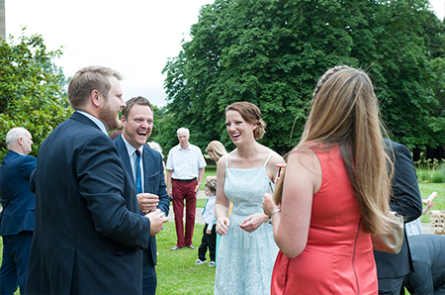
x=273, y=213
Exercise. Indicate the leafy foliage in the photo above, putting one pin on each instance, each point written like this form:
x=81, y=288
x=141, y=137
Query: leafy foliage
x=31, y=89
x=271, y=53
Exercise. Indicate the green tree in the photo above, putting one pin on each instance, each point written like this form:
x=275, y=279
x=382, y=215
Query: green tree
x=31, y=89
x=271, y=53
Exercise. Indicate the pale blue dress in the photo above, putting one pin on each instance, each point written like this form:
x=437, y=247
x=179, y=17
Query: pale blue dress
x=245, y=260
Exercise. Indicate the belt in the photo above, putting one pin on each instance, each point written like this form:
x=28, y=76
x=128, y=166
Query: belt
x=185, y=180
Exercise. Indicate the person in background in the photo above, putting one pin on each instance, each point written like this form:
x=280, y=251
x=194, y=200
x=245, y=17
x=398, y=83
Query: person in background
x=155, y=146
x=216, y=150
x=185, y=165
x=406, y=201
x=144, y=165
x=17, y=216
x=325, y=206
x=247, y=250
x=209, y=233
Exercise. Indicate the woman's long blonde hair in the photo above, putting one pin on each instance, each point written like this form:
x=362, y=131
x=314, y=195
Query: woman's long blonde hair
x=345, y=112
x=217, y=148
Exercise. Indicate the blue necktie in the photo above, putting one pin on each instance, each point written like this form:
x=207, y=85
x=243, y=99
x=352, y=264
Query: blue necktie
x=138, y=172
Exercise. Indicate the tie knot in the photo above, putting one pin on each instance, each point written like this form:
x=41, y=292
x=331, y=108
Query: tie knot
x=138, y=153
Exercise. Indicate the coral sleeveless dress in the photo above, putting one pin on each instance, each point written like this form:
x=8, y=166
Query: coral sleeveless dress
x=245, y=260
x=338, y=258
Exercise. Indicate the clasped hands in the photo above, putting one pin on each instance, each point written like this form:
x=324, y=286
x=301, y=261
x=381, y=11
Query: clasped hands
x=148, y=204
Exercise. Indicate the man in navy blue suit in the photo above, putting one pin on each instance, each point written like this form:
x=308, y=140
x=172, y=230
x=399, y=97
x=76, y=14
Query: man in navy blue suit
x=89, y=233
x=406, y=201
x=17, y=217
x=137, y=122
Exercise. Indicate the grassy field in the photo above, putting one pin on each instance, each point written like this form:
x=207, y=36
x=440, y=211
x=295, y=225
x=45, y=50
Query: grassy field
x=176, y=270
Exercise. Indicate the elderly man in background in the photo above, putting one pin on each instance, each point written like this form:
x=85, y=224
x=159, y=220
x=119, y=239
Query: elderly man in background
x=185, y=165
x=17, y=217
x=145, y=167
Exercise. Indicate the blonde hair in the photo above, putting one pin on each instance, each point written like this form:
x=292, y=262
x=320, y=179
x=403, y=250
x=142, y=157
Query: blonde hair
x=251, y=114
x=345, y=112
x=217, y=148
x=88, y=79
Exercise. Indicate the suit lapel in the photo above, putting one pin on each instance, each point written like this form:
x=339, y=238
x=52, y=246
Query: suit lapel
x=148, y=170
x=124, y=155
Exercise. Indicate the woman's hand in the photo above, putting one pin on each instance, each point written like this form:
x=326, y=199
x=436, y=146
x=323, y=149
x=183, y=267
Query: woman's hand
x=268, y=204
x=253, y=222
x=222, y=225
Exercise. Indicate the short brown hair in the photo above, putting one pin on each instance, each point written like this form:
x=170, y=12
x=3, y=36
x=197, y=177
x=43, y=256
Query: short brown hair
x=251, y=114
x=135, y=100
x=88, y=79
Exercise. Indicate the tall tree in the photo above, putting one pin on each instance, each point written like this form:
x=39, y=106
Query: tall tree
x=31, y=89
x=271, y=53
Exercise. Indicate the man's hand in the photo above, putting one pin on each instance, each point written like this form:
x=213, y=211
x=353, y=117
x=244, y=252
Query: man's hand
x=156, y=222
x=169, y=191
x=147, y=202
x=197, y=189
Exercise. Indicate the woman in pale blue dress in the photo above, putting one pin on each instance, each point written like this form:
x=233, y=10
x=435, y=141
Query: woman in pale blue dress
x=247, y=250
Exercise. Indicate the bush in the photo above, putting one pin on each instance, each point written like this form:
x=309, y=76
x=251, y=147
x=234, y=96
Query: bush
x=438, y=177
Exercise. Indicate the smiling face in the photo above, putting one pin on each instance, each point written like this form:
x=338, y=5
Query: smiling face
x=138, y=125
x=238, y=129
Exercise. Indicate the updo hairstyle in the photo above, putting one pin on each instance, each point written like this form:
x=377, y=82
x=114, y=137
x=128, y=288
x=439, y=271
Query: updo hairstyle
x=251, y=114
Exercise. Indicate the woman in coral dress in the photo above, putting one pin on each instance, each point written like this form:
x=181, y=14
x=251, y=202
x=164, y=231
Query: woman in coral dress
x=334, y=193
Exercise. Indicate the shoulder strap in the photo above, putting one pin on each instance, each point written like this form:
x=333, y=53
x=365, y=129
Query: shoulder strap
x=268, y=158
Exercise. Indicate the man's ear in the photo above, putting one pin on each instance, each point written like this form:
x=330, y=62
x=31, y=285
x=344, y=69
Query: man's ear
x=123, y=119
x=95, y=98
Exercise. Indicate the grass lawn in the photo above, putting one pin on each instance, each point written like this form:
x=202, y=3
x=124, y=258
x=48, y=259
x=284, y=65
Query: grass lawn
x=176, y=270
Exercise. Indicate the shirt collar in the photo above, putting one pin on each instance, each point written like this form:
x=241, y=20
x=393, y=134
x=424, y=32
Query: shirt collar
x=130, y=148
x=95, y=120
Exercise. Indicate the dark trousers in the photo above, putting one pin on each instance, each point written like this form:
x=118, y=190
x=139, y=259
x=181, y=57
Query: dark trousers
x=207, y=241
x=391, y=286
x=149, y=280
x=184, y=191
x=15, y=262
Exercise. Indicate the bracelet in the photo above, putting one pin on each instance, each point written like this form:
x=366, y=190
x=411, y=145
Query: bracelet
x=273, y=213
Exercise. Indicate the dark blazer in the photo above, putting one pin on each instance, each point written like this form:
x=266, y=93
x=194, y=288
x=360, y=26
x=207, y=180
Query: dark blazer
x=406, y=201
x=428, y=252
x=88, y=232
x=18, y=201
x=154, y=182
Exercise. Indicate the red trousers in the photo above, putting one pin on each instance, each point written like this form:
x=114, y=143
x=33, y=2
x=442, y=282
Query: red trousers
x=184, y=191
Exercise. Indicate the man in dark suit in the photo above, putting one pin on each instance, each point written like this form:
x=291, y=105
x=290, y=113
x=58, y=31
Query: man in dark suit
x=137, y=120
x=428, y=253
x=17, y=217
x=406, y=201
x=89, y=233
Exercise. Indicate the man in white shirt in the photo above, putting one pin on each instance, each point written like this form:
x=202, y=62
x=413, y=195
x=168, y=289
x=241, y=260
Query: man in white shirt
x=185, y=165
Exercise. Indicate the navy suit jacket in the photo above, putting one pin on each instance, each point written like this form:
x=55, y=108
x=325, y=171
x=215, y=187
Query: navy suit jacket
x=17, y=199
x=406, y=201
x=154, y=182
x=88, y=232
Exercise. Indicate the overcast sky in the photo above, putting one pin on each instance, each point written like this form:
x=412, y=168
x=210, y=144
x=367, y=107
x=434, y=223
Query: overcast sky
x=135, y=37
